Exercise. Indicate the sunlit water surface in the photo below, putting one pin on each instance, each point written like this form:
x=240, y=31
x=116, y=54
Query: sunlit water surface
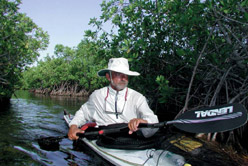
x=30, y=117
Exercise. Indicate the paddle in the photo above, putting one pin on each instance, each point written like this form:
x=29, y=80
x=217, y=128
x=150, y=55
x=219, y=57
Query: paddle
x=207, y=120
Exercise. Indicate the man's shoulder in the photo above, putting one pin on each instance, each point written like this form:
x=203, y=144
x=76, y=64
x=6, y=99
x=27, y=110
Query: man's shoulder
x=134, y=92
x=98, y=92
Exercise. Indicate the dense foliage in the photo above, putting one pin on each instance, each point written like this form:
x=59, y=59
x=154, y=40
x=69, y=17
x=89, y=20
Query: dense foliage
x=68, y=72
x=189, y=53
x=21, y=39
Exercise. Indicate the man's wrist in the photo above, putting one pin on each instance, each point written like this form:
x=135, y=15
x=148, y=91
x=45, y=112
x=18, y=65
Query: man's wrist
x=73, y=126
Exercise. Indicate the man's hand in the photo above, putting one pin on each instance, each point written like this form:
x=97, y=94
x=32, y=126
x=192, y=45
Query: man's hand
x=72, y=133
x=134, y=123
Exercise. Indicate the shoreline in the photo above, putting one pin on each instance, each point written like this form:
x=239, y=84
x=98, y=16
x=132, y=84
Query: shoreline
x=47, y=91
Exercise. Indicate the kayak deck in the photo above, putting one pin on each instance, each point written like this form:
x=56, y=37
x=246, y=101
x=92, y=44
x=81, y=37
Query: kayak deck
x=195, y=151
x=122, y=157
x=118, y=156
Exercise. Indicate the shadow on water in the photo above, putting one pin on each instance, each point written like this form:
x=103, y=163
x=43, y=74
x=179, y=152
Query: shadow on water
x=30, y=117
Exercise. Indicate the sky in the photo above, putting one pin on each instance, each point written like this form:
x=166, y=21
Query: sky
x=64, y=20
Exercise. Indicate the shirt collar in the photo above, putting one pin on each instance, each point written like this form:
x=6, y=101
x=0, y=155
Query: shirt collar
x=113, y=92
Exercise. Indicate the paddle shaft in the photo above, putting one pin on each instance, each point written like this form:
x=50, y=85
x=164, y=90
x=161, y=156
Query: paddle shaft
x=207, y=120
x=103, y=131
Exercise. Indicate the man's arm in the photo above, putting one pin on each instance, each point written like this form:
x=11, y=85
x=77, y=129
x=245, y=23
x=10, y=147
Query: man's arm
x=145, y=115
x=83, y=115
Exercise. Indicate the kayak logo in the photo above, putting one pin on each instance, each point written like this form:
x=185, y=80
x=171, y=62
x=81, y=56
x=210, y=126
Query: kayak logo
x=214, y=112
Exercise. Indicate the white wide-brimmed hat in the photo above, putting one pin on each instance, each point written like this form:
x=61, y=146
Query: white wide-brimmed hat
x=119, y=65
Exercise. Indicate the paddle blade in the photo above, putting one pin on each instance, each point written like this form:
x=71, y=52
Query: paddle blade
x=50, y=143
x=213, y=119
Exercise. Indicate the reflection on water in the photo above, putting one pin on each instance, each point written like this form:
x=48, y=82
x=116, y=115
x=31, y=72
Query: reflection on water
x=31, y=116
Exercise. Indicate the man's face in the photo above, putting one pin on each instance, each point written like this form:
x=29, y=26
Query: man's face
x=119, y=80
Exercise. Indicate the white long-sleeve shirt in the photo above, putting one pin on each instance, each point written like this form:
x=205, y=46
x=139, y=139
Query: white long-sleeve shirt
x=102, y=104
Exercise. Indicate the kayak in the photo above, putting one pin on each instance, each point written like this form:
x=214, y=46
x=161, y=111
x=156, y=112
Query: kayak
x=178, y=146
x=120, y=157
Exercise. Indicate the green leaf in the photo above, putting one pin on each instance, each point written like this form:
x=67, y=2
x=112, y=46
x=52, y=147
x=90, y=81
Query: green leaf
x=246, y=16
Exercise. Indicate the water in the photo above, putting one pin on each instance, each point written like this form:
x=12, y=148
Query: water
x=28, y=118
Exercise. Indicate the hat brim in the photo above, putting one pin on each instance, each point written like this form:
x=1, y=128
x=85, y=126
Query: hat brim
x=103, y=72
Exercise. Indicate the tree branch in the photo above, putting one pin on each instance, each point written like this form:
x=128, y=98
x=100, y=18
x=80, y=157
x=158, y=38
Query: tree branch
x=194, y=73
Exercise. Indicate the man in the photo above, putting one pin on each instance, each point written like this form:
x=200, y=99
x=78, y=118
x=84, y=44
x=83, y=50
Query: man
x=115, y=103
